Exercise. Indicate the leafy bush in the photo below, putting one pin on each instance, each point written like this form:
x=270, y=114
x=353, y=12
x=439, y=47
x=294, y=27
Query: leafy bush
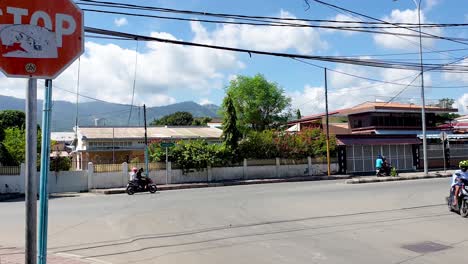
x=259, y=145
x=270, y=144
x=157, y=153
x=198, y=154
x=60, y=164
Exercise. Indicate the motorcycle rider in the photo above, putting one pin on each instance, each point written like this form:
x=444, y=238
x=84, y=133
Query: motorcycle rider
x=379, y=164
x=133, y=173
x=140, y=177
x=459, y=174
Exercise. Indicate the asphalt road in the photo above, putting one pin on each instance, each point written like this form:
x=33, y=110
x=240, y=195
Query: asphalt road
x=307, y=222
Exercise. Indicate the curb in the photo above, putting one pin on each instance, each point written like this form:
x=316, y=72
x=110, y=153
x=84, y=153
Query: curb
x=395, y=178
x=10, y=196
x=223, y=184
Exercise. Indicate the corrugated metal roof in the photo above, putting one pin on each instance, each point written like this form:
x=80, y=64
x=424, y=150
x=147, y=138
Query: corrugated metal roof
x=462, y=118
x=384, y=106
x=153, y=132
x=62, y=136
x=349, y=140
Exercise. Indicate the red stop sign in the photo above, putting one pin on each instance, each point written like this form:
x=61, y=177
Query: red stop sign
x=39, y=38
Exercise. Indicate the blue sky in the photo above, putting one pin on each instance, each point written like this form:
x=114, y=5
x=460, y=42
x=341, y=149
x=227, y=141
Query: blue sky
x=168, y=74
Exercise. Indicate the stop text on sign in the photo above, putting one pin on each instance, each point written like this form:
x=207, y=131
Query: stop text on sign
x=64, y=24
x=39, y=38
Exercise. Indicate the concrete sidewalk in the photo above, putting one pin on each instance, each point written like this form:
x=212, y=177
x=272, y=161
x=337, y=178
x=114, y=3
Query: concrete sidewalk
x=227, y=183
x=401, y=177
x=11, y=255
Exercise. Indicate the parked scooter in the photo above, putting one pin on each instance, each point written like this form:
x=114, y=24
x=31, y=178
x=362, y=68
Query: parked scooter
x=462, y=199
x=145, y=185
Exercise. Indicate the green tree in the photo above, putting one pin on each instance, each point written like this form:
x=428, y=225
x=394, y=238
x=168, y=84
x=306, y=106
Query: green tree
x=231, y=133
x=446, y=102
x=60, y=164
x=298, y=114
x=201, y=121
x=198, y=154
x=2, y=132
x=443, y=118
x=157, y=153
x=5, y=158
x=175, y=119
x=259, y=104
x=15, y=144
x=12, y=118
x=259, y=145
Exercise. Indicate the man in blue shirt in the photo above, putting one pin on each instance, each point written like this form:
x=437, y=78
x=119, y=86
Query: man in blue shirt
x=379, y=164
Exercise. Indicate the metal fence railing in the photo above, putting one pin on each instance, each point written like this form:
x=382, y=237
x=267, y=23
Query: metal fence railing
x=151, y=166
x=10, y=170
x=98, y=168
x=107, y=168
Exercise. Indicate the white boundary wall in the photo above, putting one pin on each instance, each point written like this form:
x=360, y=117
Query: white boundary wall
x=80, y=181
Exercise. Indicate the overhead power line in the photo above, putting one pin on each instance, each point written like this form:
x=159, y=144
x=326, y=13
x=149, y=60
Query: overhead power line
x=254, y=18
x=389, y=23
x=344, y=56
x=379, y=81
x=404, y=88
x=363, y=62
x=362, y=29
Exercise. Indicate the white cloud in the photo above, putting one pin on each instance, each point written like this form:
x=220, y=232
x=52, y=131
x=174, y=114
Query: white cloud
x=463, y=77
x=121, y=21
x=303, y=40
x=165, y=70
x=232, y=77
x=341, y=17
x=205, y=101
x=462, y=104
x=404, y=42
x=107, y=73
x=346, y=91
x=429, y=4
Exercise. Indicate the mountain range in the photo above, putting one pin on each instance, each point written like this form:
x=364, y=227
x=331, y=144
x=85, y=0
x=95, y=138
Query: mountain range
x=108, y=114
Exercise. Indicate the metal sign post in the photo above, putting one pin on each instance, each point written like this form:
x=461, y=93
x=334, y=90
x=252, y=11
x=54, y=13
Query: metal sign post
x=327, y=124
x=31, y=171
x=45, y=161
x=40, y=39
x=167, y=145
x=167, y=174
x=146, y=143
x=443, y=137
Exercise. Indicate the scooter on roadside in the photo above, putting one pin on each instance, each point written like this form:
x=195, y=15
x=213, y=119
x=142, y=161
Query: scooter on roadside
x=146, y=184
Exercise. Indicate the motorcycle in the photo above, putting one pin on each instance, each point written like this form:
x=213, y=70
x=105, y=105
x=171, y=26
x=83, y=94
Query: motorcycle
x=462, y=202
x=382, y=172
x=146, y=185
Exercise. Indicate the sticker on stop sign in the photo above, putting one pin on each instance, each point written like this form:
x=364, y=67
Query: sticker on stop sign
x=39, y=39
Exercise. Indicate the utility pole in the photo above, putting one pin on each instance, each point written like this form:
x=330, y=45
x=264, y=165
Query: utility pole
x=31, y=171
x=423, y=99
x=423, y=106
x=45, y=160
x=327, y=123
x=113, y=145
x=146, y=141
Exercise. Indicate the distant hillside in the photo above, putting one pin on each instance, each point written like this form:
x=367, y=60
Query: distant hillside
x=63, y=113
